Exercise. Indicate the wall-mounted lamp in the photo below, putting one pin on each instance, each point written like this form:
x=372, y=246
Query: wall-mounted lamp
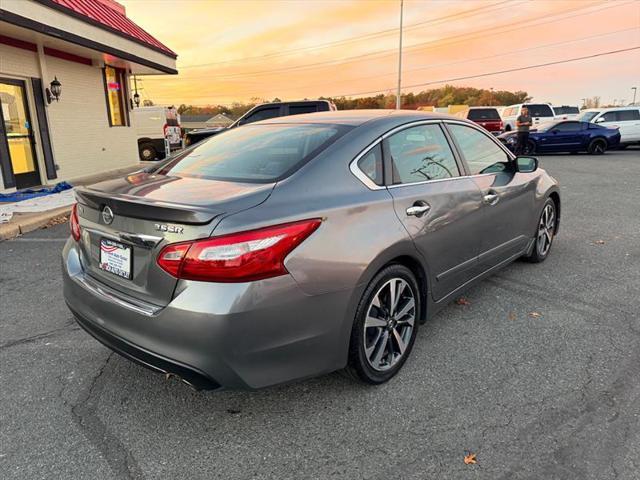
x=54, y=91
x=136, y=99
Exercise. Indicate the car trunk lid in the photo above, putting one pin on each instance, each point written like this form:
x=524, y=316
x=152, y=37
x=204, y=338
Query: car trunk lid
x=129, y=220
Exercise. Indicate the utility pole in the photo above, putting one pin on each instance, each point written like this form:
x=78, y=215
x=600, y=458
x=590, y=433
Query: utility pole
x=398, y=93
x=491, y=97
x=634, y=94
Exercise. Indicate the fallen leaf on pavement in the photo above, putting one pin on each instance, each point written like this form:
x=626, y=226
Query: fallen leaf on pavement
x=470, y=459
x=512, y=315
x=463, y=301
x=535, y=314
x=599, y=242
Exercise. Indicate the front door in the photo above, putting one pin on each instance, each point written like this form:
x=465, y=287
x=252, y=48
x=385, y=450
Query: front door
x=16, y=133
x=507, y=221
x=440, y=208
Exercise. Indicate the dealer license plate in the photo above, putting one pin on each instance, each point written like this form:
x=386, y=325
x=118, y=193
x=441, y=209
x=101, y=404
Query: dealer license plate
x=115, y=258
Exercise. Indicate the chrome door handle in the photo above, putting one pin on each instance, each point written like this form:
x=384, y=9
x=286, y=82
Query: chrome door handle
x=491, y=198
x=418, y=210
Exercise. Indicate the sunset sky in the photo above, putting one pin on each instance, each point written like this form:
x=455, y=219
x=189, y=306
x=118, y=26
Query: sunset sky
x=235, y=50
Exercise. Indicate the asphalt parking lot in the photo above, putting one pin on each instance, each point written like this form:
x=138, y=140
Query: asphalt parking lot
x=538, y=374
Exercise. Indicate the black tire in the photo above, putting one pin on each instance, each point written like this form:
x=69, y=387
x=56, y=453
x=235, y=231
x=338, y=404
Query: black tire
x=530, y=148
x=540, y=254
x=597, y=146
x=359, y=366
x=147, y=152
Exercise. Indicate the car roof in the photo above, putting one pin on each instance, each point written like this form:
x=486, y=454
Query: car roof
x=359, y=117
x=607, y=109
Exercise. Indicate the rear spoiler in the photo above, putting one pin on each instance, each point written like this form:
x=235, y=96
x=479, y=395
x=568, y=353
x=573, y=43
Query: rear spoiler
x=135, y=207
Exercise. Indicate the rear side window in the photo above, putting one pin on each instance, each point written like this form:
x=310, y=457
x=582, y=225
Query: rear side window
x=371, y=165
x=421, y=153
x=483, y=114
x=624, y=115
x=541, y=110
x=482, y=153
x=295, y=110
x=568, y=127
x=255, y=153
x=262, y=114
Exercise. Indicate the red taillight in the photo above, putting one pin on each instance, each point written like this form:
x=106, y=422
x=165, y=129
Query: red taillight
x=238, y=257
x=74, y=223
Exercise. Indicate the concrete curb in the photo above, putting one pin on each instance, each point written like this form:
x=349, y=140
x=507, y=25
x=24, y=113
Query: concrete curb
x=23, y=223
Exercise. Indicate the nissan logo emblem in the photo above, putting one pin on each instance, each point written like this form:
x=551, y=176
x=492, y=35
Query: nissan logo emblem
x=107, y=215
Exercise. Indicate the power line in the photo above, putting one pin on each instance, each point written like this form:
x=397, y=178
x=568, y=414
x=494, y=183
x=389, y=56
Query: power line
x=379, y=33
x=487, y=57
x=480, y=75
x=499, y=72
x=419, y=46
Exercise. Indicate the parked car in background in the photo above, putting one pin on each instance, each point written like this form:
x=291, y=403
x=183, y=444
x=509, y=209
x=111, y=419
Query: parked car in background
x=539, y=113
x=240, y=262
x=625, y=119
x=153, y=125
x=566, y=112
x=566, y=136
x=487, y=117
x=263, y=112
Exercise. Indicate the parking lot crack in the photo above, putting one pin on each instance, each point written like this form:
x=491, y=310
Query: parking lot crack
x=68, y=327
x=85, y=414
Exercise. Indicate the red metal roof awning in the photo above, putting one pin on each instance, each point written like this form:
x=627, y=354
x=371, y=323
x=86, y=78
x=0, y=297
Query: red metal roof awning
x=99, y=12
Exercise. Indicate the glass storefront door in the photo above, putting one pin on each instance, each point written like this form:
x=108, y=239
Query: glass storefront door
x=18, y=133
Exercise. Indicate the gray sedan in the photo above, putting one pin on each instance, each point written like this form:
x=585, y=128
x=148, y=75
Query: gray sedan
x=301, y=245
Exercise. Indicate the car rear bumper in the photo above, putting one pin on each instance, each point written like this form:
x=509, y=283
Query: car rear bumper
x=214, y=336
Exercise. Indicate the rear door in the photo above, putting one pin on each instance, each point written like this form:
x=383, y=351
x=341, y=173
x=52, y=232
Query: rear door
x=507, y=196
x=440, y=208
x=627, y=121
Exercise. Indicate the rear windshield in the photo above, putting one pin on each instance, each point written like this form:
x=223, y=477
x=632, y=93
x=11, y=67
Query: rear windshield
x=254, y=153
x=541, y=110
x=565, y=110
x=483, y=114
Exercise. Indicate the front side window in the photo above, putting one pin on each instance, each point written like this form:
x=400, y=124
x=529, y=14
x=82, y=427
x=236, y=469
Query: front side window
x=609, y=117
x=482, y=154
x=255, y=153
x=421, y=153
x=262, y=114
x=114, y=79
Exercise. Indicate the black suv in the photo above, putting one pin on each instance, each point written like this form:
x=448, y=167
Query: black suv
x=263, y=112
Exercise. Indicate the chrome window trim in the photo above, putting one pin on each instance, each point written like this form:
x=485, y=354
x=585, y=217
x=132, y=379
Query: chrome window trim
x=371, y=185
x=359, y=174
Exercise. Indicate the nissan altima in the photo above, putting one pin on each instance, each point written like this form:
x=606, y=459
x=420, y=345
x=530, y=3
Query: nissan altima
x=298, y=246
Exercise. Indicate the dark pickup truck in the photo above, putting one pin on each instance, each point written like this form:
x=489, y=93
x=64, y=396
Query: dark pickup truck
x=262, y=112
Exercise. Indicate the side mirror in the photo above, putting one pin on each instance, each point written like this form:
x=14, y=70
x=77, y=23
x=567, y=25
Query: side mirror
x=526, y=164
x=600, y=120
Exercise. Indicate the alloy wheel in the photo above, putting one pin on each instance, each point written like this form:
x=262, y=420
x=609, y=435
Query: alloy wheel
x=546, y=228
x=598, y=147
x=389, y=324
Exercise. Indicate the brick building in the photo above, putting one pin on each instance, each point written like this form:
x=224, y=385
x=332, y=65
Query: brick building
x=85, y=50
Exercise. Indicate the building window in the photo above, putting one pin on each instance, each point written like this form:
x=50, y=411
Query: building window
x=114, y=84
